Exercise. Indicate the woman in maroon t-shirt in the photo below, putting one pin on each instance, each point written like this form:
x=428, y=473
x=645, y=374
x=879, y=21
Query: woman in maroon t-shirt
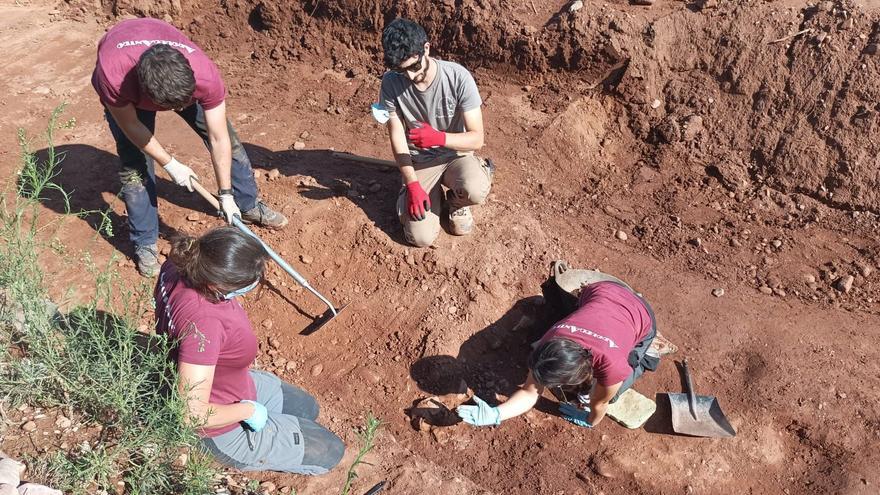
x=599, y=350
x=250, y=420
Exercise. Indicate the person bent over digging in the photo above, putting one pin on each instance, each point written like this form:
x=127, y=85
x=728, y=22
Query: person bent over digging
x=145, y=66
x=250, y=420
x=588, y=359
x=435, y=124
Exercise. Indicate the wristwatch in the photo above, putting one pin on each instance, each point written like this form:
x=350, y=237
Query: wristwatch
x=221, y=192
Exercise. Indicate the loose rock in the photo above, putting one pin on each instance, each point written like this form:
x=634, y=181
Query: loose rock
x=621, y=235
x=655, y=104
x=63, y=422
x=844, y=284
x=267, y=324
x=576, y=5
x=193, y=217
x=306, y=259
x=267, y=487
x=765, y=290
x=304, y=135
x=273, y=174
x=317, y=369
x=29, y=426
x=299, y=145
x=718, y=292
x=274, y=343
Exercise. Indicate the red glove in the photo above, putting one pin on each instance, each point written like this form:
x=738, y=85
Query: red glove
x=418, y=200
x=426, y=136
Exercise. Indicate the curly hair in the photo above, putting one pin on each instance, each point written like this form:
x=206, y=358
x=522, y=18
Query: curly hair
x=166, y=77
x=402, y=39
x=223, y=259
x=561, y=362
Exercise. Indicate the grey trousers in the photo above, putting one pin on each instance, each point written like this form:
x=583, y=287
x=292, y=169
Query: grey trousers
x=290, y=442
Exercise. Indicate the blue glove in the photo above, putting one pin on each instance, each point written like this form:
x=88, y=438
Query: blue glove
x=575, y=415
x=480, y=415
x=258, y=419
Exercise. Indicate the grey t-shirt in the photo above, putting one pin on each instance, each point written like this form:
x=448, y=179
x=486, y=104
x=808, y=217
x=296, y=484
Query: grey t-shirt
x=442, y=104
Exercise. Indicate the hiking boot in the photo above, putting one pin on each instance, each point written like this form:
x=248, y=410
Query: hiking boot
x=264, y=216
x=147, y=259
x=461, y=221
x=661, y=346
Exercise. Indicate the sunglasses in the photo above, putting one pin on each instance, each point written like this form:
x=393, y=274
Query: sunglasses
x=413, y=67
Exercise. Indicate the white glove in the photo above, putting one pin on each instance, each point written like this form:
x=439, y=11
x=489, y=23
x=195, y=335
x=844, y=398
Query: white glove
x=228, y=207
x=180, y=173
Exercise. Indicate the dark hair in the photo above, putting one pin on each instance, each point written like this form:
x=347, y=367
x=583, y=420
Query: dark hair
x=166, y=76
x=561, y=362
x=401, y=39
x=224, y=259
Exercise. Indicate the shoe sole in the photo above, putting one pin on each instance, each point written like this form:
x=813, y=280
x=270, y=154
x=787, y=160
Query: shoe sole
x=272, y=227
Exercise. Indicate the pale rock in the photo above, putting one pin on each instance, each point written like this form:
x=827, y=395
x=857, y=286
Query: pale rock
x=317, y=369
x=299, y=145
x=621, y=235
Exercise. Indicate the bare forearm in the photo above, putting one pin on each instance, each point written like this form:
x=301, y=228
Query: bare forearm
x=597, y=412
x=141, y=137
x=219, y=415
x=518, y=403
x=221, y=156
x=464, y=141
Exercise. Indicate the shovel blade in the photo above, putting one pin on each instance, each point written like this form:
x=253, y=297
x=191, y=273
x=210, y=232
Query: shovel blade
x=322, y=320
x=709, y=421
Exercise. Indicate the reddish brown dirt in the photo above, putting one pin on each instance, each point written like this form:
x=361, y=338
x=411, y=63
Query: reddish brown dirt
x=779, y=153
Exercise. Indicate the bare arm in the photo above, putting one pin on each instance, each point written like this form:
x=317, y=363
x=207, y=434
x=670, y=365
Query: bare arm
x=522, y=400
x=138, y=134
x=400, y=148
x=472, y=138
x=221, y=145
x=195, y=384
x=600, y=397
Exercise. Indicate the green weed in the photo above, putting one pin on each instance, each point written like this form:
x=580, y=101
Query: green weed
x=90, y=361
x=367, y=436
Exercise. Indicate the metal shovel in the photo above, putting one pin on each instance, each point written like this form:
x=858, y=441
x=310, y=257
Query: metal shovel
x=318, y=322
x=697, y=415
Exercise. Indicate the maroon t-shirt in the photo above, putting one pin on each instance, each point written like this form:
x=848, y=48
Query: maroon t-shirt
x=115, y=77
x=209, y=334
x=610, y=321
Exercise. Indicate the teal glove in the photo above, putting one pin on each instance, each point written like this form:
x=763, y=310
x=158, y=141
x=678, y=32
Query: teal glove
x=480, y=415
x=575, y=415
x=258, y=419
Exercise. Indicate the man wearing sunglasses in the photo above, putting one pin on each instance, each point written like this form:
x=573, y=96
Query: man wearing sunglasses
x=435, y=124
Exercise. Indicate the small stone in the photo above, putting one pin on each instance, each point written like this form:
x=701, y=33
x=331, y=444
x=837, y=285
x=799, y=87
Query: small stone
x=696, y=242
x=273, y=174
x=841, y=395
x=810, y=278
x=375, y=187
x=290, y=366
x=317, y=369
x=285, y=490
x=304, y=135
x=844, y=284
x=656, y=104
x=193, y=217
x=181, y=460
x=575, y=6
x=328, y=273
x=718, y=292
x=864, y=269
x=274, y=343
x=765, y=290
x=29, y=426
x=440, y=435
x=452, y=310
x=267, y=324
x=267, y=487
x=693, y=126
x=621, y=235
x=735, y=242
x=306, y=259
x=63, y=422
x=299, y=145
x=779, y=292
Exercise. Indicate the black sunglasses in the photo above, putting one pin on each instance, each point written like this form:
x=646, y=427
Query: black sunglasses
x=413, y=67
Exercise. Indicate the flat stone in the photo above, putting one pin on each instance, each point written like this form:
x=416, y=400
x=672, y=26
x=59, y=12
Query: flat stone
x=306, y=259
x=299, y=145
x=632, y=409
x=29, y=426
x=317, y=369
x=267, y=324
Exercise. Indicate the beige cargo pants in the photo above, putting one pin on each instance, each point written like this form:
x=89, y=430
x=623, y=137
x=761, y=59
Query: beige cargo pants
x=468, y=179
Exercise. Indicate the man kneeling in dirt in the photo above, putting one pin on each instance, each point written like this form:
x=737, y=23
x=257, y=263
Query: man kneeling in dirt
x=435, y=125
x=607, y=340
x=145, y=66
